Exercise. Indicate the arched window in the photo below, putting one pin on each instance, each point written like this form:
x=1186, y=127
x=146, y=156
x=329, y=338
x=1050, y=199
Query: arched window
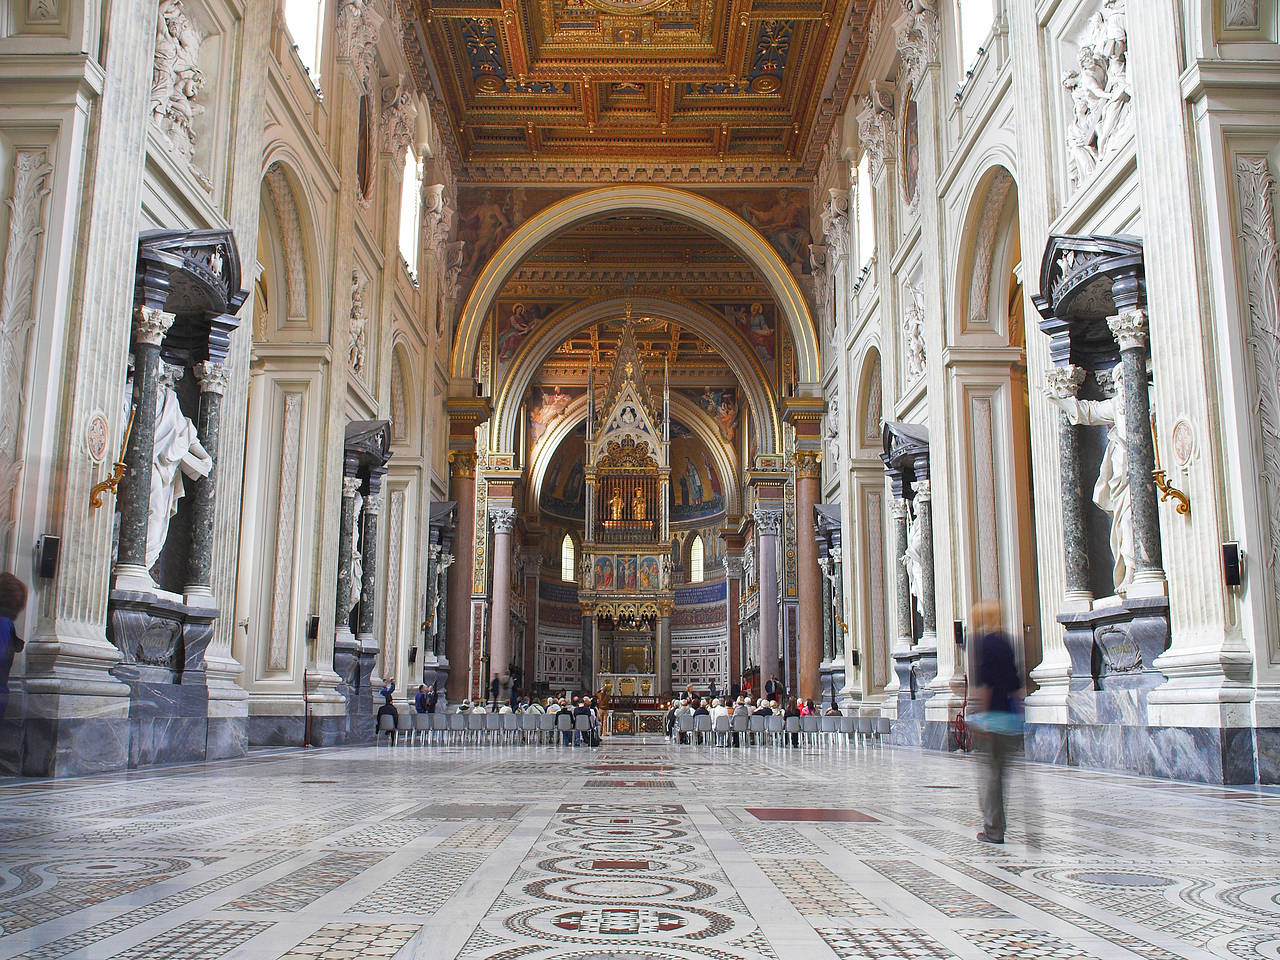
x=865, y=212
x=695, y=560
x=566, y=558
x=305, y=20
x=976, y=17
x=410, y=188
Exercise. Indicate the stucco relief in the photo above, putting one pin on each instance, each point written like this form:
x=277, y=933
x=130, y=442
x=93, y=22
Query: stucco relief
x=1256, y=185
x=399, y=115
x=290, y=226
x=913, y=331
x=997, y=192
x=30, y=179
x=1099, y=92
x=875, y=126
x=358, y=24
x=1240, y=14
x=176, y=78
x=917, y=32
x=357, y=325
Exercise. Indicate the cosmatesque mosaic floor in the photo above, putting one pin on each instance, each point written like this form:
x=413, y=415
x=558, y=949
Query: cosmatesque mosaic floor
x=637, y=851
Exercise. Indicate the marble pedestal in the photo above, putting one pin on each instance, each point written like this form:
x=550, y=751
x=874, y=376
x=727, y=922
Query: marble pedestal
x=162, y=644
x=831, y=682
x=353, y=664
x=916, y=669
x=1112, y=649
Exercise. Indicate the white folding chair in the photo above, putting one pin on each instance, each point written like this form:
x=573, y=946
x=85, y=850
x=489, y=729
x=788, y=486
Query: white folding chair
x=421, y=726
x=721, y=727
x=528, y=726
x=546, y=727
x=739, y=725
x=809, y=727
x=510, y=727
x=475, y=726
x=582, y=729
x=492, y=727
x=830, y=727
x=756, y=726
x=457, y=726
x=702, y=727
x=388, y=726
x=773, y=726
x=564, y=724
x=684, y=726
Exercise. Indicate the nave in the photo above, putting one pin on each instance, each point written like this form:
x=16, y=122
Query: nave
x=640, y=850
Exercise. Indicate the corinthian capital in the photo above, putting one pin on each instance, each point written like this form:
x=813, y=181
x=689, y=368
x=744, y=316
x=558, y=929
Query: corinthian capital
x=503, y=519
x=917, y=31
x=1129, y=329
x=768, y=522
x=213, y=377
x=1063, y=382
x=150, y=324
x=835, y=222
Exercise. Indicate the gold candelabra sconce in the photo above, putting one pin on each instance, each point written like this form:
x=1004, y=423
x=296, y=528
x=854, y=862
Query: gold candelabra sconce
x=1182, y=503
x=112, y=481
x=844, y=627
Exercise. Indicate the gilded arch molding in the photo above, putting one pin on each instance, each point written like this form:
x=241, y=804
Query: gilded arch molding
x=688, y=412
x=680, y=204
x=542, y=342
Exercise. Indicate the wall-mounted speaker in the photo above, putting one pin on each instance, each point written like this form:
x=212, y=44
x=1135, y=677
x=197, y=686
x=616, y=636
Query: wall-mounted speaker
x=313, y=628
x=1232, y=564
x=47, y=551
x=957, y=630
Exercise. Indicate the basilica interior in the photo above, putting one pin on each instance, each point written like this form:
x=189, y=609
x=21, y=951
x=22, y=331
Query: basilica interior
x=623, y=346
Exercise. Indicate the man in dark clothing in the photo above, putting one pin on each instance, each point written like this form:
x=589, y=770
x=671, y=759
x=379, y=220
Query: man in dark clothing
x=495, y=689
x=700, y=710
x=763, y=712
x=388, y=708
x=773, y=690
x=583, y=709
x=999, y=686
x=420, y=700
x=713, y=690
x=792, y=709
x=433, y=698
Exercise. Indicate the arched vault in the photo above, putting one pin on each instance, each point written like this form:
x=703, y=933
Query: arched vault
x=678, y=204
x=542, y=342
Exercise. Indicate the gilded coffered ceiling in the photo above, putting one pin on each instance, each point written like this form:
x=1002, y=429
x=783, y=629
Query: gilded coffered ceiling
x=547, y=90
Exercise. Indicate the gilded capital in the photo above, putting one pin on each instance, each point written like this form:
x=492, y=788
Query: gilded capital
x=808, y=464
x=462, y=463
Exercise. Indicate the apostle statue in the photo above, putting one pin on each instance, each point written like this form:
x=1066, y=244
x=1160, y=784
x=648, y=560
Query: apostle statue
x=615, y=505
x=177, y=448
x=357, y=560
x=638, y=505
x=1111, y=492
x=913, y=560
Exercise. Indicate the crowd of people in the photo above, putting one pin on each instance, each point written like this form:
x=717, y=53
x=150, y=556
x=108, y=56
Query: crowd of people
x=715, y=707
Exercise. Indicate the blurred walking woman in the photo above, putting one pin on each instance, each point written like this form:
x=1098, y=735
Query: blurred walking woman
x=999, y=689
x=13, y=598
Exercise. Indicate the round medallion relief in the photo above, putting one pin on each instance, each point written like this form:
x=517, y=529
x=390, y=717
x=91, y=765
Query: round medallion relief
x=96, y=430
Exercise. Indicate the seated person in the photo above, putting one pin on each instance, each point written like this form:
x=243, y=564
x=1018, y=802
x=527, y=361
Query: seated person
x=388, y=708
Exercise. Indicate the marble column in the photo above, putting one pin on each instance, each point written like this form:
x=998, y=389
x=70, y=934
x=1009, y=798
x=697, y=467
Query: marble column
x=149, y=328
x=808, y=480
x=441, y=624
x=768, y=526
x=503, y=521
x=1064, y=382
x=346, y=546
x=369, y=558
x=928, y=645
x=1130, y=330
x=213, y=379
x=732, y=588
x=664, y=653
x=902, y=595
x=587, y=666
x=824, y=564
x=462, y=490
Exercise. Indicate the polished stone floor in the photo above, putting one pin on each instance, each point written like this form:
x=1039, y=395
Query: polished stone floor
x=637, y=850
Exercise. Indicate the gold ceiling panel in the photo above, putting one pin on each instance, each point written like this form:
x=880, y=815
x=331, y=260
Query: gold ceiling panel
x=638, y=82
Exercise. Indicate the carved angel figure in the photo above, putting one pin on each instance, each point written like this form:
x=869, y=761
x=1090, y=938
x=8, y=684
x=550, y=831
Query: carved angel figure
x=913, y=332
x=176, y=78
x=177, y=450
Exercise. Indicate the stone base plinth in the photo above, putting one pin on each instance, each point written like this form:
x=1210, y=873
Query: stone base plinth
x=227, y=737
x=72, y=746
x=907, y=729
x=267, y=730
x=1223, y=755
x=328, y=731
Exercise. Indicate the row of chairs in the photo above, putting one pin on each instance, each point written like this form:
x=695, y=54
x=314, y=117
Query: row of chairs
x=777, y=729
x=484, y=728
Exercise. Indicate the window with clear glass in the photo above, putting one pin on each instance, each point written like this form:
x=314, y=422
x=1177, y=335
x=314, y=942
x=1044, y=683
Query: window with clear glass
x=305, y=20
x=975, y=20
x=695, y=560
x=409, y=206
x=566, y=558
x=866, y=224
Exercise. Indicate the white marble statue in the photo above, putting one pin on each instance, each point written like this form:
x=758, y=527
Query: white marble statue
x=357, y=563
x=357, y=326
x=913, y=559
x=177, y=450
x=831, y=438
x=913, y=331
x=1111, y=492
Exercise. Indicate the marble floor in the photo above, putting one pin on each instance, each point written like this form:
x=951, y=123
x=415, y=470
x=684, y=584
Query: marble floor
x=637, y=851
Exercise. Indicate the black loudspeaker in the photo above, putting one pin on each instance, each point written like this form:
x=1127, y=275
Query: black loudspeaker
x=313, y=628
x=1231, y=564
x=855, y=658
x=957, y=630
x=413, y=655
x=47, y=551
